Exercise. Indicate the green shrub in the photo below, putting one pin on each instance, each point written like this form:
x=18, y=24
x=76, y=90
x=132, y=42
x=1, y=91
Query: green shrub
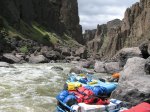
x=24, y=49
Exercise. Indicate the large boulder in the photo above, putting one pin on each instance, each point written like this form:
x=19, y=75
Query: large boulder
x=147, y=66
x=52, y=55
x=134, y=84
x=99, y=67
x=10, y=58
x=76, y=70
x=112, y=67
x=124, y=54
x=66, y=52
x=88, y=64
x=37, y=59
x=107, y=67
x=144, y=47
x=21, y=56
x=81, y=52
x=79, y=70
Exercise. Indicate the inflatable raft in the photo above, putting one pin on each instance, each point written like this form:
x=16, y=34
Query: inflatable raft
x=114, y=106
x=82, y=93
x=86, y=80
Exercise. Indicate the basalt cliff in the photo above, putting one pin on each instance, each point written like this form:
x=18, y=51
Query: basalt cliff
x=37, y=26
x=60, y=16
x=109, y=38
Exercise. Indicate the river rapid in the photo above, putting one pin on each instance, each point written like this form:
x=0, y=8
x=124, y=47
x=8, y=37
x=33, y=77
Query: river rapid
x=31, y=87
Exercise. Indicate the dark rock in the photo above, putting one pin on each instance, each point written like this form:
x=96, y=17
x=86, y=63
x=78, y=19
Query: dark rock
x=81, y=52
x=66, y=52
x=134, y=84
x=144, y=49
x=88, y=64
x=52, y=61
x=79, y=70
x=72, y=58
x=52, y=55
x=136, y=95
x=27, y=58
x=76, y=70
x=57, y=68
x=147, y=66
x=37, y=59
x=10, y=58
x=58, y=49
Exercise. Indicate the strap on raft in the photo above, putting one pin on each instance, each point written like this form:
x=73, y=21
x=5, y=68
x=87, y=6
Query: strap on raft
x=66, y=106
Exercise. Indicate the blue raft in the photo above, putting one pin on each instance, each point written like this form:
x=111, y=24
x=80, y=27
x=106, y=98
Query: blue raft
x=88, y=81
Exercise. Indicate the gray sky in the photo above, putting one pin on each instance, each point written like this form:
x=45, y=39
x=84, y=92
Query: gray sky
x=93, y=12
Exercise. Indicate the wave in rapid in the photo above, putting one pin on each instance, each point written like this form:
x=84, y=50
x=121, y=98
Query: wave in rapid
x=31, y=87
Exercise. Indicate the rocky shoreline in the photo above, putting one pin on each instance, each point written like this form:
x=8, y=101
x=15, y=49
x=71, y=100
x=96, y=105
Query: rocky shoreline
x=134, y=68
x=44, y=55
x=13, y=50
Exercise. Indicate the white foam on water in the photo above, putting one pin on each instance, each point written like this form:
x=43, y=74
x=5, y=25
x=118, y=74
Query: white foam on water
x=30, y=87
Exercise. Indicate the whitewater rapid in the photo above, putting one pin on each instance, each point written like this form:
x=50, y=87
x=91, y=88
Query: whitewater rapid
x=31, y=87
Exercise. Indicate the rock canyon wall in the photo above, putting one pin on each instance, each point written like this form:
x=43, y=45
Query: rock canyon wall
x=108, y=38
x=60, y=16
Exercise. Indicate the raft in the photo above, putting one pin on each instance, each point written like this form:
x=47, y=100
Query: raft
x=142, y=107
x=114, y=106
x=83, y=93
x=110, y=86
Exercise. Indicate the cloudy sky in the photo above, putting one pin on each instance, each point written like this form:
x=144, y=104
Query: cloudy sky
x=93, y=12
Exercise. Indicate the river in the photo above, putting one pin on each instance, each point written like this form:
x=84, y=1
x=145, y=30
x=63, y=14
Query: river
x=31, y=87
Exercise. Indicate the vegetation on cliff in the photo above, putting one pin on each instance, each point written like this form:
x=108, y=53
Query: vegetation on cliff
x=26, y=25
